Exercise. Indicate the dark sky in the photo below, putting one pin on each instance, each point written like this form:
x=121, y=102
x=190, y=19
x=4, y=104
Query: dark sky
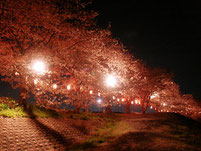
x=162, y=33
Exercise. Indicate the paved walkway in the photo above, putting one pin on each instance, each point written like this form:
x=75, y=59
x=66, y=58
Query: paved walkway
x=40, y=134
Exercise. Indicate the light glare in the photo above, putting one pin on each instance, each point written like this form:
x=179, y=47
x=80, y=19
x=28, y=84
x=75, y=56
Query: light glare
x=54, y=86
x=39, y=67
x=111, y=81
x=68, y=87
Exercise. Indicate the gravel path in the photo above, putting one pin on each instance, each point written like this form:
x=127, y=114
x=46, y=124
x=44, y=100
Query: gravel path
x=40, y=134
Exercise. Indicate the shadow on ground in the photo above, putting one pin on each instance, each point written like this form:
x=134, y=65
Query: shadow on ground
x=147, y=141
x=49, y=132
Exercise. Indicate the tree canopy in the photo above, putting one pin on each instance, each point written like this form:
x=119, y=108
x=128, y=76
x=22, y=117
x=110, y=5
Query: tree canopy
x=75, y=58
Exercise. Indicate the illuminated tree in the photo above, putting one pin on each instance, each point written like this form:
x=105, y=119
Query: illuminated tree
x=91, y=63
x=164, y=98
x=30, y=29
x=134, y=80
x=169, y=99
x=152, y=81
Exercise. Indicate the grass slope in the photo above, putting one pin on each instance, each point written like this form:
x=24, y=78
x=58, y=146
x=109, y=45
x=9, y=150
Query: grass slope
x=150, y=132
x=17, y=111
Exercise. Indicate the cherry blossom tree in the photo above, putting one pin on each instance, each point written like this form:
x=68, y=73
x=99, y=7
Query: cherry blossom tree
x=170, y=99
x=91, y=63
x=28, y=32
x=152, y=81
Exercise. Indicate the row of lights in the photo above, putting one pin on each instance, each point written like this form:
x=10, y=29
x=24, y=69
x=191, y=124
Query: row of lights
x=40, y=68
x=99, y=94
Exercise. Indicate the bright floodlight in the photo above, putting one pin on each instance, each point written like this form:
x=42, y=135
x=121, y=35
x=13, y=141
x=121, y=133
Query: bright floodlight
x=39, y=67
x=111, y=81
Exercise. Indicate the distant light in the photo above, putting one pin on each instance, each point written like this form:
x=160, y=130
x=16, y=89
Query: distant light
x=122, y=100
x=151, y=107
x=35, y=81
x=90, y=91
x=99, y=93
x=39, y=67
x=118, y=99
x=113, y=97
x=68, y=87
x=16, y=73
x=54, y=86
x=139, y=102
x=164, y=104
x=154, y=96
x=131, y=102
x=136, y=102
x=111, y=81
x=99, y=101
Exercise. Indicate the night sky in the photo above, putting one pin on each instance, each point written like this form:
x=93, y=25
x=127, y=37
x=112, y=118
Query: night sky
x=165, y=34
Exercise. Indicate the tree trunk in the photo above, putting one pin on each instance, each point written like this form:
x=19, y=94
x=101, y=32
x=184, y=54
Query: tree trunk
x=77, y=109
x=146, y=106
x=142, y=107
x=128, y=107
x=156, y=109
x=108, y=110
x=23, y=98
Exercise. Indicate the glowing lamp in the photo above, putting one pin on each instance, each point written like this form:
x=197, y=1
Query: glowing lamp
x=35, y=81
x=16, y=73
x=54, y=86
x=90, y=92
x=99, y=94
x=68, y=87
x=122, y=100
x=113, y=97
x=111, y=81
x=131, y=102
x=118, y=99
x=39, y=67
